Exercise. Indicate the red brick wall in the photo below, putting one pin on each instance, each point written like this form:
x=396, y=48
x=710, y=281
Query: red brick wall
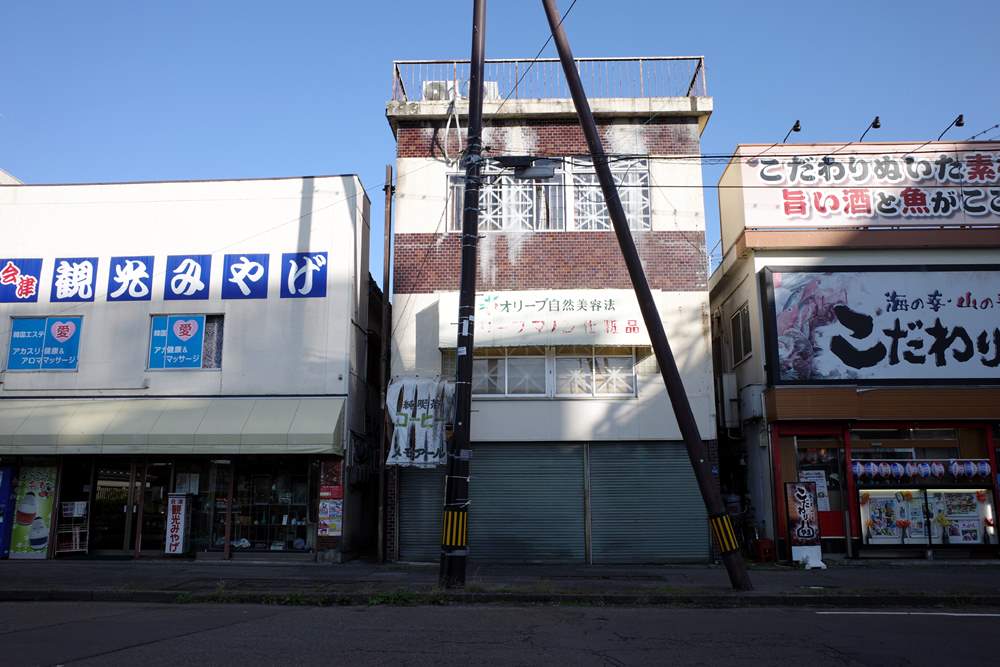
x=673, y=260
x=660, y=136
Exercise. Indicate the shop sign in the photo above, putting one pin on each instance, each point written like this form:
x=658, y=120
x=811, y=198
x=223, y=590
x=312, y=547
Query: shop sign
x=331, y=518
x=331, y=480
x=419, y=409
x=176, y=538
x=548, y=317
x=903, y=186
x=33, y=512
x=803, y=517
x=44, y=343
x=187, y=277
x=867, y=325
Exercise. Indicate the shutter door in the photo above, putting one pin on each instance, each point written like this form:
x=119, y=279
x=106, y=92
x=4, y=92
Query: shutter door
x=645, y=505
x=421, y=497
x=527, y=503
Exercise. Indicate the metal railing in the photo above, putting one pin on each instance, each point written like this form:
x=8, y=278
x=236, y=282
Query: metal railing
x=661, y=76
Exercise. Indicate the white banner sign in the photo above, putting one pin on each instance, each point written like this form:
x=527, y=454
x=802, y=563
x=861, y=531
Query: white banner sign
x=176, y=542
x=419, y=409
x=952, y=184
x=548, y=317
x=853, y=324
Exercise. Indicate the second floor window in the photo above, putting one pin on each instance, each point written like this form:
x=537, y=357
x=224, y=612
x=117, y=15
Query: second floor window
x=740, y=327
x=44, y=343
x=575, y=371
x=510, y=204
x=185, y=342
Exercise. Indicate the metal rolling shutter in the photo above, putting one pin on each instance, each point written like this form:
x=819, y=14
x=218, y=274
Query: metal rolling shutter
x=527, y=503
x=645, y=505
x=421, y=497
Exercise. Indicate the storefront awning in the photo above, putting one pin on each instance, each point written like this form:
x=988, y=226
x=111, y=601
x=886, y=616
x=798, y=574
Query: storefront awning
x=171, y=426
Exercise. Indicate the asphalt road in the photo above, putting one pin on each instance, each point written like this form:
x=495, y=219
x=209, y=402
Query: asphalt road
x=50, y=633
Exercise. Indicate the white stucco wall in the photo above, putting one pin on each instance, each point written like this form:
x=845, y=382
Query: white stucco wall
x=271, y=346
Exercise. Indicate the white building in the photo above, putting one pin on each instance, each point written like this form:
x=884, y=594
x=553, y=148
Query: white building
x=577, y=456
x=856, y=321
x=200, y=337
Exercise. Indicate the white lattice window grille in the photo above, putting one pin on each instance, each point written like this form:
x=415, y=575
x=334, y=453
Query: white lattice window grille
x=589, y=210
x=553, y=372
x=510, y=204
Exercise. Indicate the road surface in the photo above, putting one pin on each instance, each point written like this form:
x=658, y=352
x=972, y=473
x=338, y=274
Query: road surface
x=51, y=633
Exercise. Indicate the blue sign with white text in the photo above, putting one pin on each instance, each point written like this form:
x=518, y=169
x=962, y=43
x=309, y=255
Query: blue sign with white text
x=303, y=274
x=188, y=277
x=19, y=280
x=176, y=341
x=73, y=279
x=44, y=343
x=244, y=276
x=130, y=278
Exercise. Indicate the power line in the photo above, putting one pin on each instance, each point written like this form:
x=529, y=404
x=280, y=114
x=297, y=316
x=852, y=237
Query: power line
x=533, y=60
x=979, y=134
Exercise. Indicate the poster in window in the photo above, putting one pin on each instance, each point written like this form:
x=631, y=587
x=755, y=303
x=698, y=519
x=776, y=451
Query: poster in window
x=822, y=489
x=33, y=512
x=803, y=516
x=331, y=518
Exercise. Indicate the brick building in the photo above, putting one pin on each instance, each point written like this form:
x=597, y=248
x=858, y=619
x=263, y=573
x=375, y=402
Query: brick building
x=576, y=454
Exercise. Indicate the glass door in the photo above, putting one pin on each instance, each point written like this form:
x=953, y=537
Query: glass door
x=115, y=507
x=820, y=459
x=155, y=481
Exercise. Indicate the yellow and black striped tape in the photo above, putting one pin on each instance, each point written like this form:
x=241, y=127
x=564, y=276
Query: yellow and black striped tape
x=455, y=532
x=725, y=537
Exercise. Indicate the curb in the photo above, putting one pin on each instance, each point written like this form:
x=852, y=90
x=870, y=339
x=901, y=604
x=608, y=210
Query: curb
x=408, y=598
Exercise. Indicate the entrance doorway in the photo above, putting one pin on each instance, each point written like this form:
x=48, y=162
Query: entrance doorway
x=130, y=501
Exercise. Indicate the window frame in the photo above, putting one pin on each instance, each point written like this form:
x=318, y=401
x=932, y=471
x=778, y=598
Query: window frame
x=631, y=172
x=149, y=342
x=550, y=357
x=45, y=318
x=741, y=314
x=501, y=185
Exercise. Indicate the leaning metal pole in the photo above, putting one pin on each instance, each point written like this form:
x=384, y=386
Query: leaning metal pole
x=455, y=521
x=721, y=524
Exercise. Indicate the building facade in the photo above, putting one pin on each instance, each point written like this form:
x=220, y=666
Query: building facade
x=576, y=455
x=184, y=367
x=855, y=316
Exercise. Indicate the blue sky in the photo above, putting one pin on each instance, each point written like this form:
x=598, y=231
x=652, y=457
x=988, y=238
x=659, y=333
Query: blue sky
x=115, y=91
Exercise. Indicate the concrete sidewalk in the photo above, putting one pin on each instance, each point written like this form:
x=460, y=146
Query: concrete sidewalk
x=845, y=583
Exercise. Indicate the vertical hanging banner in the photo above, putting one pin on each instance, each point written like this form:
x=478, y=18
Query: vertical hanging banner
x=33, y=512
x=419, y=409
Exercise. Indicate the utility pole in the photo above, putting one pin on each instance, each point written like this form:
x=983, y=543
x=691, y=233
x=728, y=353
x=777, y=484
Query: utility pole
x=455, y=520
x=722, y=527
x=384, y=334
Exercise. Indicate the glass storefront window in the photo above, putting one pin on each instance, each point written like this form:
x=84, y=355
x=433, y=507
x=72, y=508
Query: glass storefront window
x=271, y=506
x=893, y=516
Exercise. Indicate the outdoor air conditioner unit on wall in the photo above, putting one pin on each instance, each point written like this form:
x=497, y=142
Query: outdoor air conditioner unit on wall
x=445, y=91
x=730, y=401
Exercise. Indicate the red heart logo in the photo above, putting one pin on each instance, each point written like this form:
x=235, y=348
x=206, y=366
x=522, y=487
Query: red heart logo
x=185, y=329
x=63, y=331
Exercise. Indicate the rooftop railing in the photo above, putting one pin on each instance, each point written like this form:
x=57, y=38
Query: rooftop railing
x=444, y=80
